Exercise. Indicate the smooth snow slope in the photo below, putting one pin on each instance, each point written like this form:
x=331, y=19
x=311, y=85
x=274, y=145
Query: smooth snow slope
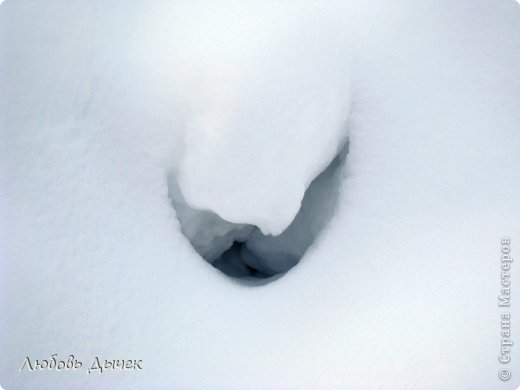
x=400, y=291
x=265, y=101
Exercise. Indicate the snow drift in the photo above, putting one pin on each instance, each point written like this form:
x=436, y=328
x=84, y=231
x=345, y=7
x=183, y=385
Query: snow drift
x=242, y=250
x=107, y=106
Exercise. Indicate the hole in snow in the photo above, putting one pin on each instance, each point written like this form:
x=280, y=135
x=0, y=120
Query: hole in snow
x=242, y=250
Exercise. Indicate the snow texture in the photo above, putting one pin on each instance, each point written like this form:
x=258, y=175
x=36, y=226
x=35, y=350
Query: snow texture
x=242, y=250
x=123, y=124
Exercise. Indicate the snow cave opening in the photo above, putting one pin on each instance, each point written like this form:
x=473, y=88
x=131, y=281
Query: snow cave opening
x=242, y=251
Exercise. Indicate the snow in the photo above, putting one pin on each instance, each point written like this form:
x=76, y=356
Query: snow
x=209, y=234
x=272, y=98
x=241, y=250
x=105, y=106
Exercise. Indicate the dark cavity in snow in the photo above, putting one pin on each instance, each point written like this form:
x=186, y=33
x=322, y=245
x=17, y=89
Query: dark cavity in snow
x=241, y=250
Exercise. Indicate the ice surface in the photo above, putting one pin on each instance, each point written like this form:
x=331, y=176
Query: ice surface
x=101, y=100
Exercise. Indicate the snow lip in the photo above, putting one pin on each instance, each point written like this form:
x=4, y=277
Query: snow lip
x=242, y=250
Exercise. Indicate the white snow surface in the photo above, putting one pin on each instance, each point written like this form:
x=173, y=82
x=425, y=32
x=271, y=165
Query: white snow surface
x=266, y=102
x=100, y=102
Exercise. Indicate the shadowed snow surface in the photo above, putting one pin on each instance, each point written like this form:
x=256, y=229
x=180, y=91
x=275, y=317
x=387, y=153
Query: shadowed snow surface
x=246, y=105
